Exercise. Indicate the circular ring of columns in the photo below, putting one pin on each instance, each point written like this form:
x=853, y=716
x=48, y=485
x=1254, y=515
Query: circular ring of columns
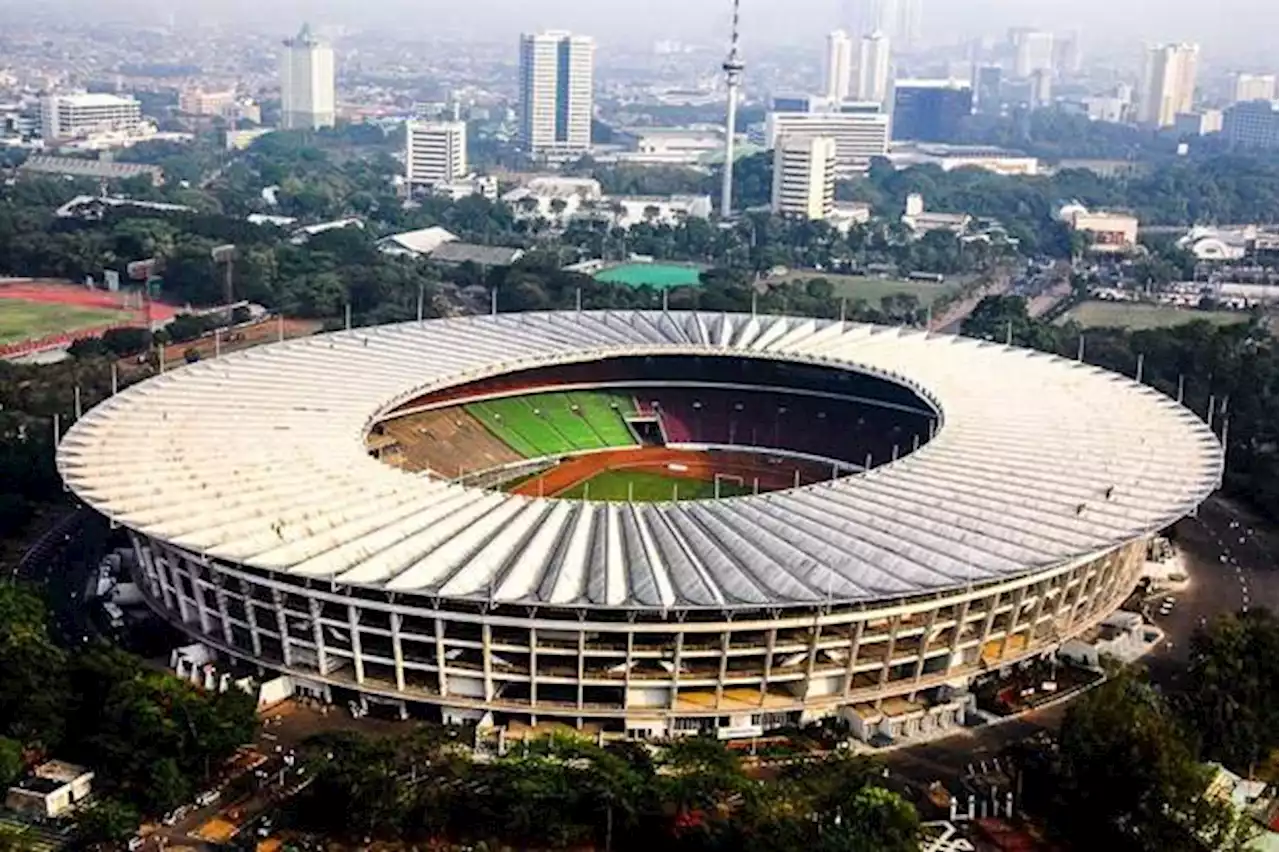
x=641, y=672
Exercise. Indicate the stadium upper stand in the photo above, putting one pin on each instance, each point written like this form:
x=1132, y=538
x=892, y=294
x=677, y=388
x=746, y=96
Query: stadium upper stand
x=549, y=424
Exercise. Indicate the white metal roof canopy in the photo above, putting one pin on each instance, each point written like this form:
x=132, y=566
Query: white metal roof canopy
x=258, y=458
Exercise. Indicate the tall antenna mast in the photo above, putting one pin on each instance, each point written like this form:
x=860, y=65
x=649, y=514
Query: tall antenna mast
x=732, y=66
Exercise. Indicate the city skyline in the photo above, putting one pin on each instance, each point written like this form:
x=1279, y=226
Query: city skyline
x=1243, y=28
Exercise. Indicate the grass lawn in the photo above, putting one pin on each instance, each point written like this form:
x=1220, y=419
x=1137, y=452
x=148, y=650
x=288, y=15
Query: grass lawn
x=872, y=289
x=1140, y=315
x=21, y=319
x=646, y=487
x=657, y=275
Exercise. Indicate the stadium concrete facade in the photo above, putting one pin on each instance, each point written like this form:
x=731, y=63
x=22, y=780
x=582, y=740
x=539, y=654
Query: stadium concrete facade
x=1009, y=515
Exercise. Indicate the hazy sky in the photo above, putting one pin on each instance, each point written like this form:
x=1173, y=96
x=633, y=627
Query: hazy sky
x=1224, y=27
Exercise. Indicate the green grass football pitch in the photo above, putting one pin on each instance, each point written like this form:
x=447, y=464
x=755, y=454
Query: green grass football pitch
x=646, y=487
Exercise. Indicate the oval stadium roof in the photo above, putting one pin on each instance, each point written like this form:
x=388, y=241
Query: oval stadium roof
x=259, y=458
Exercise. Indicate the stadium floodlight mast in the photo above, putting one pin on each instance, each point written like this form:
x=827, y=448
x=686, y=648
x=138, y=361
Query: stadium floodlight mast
x=225, y=255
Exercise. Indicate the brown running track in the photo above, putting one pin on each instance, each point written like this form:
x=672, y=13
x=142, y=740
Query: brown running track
x=699, y=465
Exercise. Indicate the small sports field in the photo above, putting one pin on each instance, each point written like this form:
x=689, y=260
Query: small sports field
x=646, y=487
x=1137, y=316
x=658, y=275
x=22, y=319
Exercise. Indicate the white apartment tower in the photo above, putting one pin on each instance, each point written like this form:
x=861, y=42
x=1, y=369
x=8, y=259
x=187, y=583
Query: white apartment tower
x=556, y=92
x=859, y=137
x=434, y=152
x=839, y=65
x=1168, y=83
x=804, y=176
x=78, y=115
x=306, y=83
x=873, y=68
x=1254, y=87
x=1033, y=51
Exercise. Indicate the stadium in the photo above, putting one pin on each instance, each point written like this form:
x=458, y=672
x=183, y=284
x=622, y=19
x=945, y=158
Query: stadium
x=640, y=523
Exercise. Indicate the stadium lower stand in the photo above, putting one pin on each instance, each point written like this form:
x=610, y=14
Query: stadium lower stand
x=447, y=441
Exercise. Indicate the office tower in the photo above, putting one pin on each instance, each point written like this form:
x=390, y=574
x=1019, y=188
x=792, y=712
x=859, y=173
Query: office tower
x=1252, y=124
x=1040, y=88
x=1032, y=51
x=732, y=67
x=1255, y=87
x=838, y=65
x=859, y=135
x=200, y=102
x=804, y=176
x=907, y=22
x=77, y=115
x=1168, y=83
x=1066, y=55
x=986, y=89
x=306, y=83
x=930, y=110
x=434, y=152
x=556, y=92
x=873, y=68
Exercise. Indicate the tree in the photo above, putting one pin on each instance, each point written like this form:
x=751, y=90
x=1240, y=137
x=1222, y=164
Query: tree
x=107, y=822
x=1126, y=763
x=1230, y=697
x=11, y=763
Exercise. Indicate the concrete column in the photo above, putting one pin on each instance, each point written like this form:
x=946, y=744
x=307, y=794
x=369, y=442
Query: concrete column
x=987, y=622
x=175, y=573
x=357, y=653
x=771, y=639
x=924, y=642
x=282, y=625
x=317, y=632
x=197, y=589
x=626, y=675
x=533, y=667
x=855, y=640
x=582, y=662
x=724, y=667
x=962, y=613
x=815, y=635
x=442, y=681
x=675, y=672
x=220, y=595
x=251, y=616
x=1011, y=625
x=486, y=642
x=397, y=649
x=894, y=624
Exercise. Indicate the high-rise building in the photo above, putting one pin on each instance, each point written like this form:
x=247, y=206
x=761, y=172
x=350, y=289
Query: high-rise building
x=200, y=102
x=873, y=68
x=907, y=23
x=839, y=65
x=1066, y=55
x=434, y=152
x=77, y=115
x=556, y=92
x=1040, y=88
x=930, y=110
x=1168, y=83
x=1252, y=124
x=1198, y=123
x=900, y=20
x=986, y=89
x=859, y=135
x=306, y=83
x=804, y=176
x=1032, y=51
x=1255, y=87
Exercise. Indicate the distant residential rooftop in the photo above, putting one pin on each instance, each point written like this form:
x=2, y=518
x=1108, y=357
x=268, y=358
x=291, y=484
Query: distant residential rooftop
x=80, y=167
x=456, y=252
x=94, y=99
